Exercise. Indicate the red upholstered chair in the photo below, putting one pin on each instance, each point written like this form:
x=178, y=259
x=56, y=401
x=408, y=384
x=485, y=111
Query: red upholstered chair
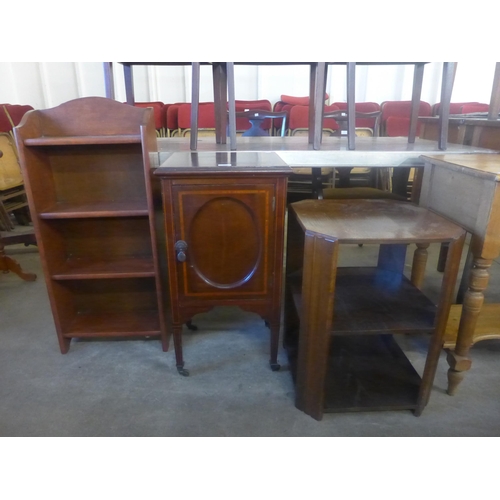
x=299, y=120
x=475, y=108
x=243, y=124
x=171, y=118
x=455, y=107
x=17, y=111
x=5, y=124
x=307, y=182
x=206, y=119
x=363, y=122
x=12, y=193
x=158, y=114
x=396, y=123
x=298, y=101
x=399, y=113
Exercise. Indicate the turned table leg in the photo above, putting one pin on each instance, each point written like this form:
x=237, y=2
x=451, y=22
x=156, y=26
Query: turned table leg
x=418, y=265
x=458, y=359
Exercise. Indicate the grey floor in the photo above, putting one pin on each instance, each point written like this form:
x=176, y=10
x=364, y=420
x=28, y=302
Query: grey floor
x=131, y=388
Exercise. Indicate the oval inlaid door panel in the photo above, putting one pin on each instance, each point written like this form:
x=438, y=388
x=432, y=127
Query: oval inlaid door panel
x=236, y=245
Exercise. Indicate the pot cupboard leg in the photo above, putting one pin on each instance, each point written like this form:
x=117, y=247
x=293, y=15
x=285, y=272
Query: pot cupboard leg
x=275, y=334
x=179, y=360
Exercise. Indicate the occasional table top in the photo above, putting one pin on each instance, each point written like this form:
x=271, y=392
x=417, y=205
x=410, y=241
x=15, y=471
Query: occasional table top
x=374, y=221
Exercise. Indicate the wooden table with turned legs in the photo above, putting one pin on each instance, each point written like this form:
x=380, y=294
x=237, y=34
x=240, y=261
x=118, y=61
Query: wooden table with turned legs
x=466, y=189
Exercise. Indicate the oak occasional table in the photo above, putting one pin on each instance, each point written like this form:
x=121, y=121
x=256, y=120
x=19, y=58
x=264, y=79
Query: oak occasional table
x=340, y=322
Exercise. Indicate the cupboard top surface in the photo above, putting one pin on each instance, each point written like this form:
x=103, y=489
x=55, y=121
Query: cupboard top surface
x=221, y=162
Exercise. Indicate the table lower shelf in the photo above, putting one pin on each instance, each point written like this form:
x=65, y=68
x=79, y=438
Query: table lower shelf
x=367, y=372
x=367, y=369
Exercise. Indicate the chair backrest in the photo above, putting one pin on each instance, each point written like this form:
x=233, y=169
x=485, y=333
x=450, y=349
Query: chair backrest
x=475, y=108
x=364, y=107
x=299, y=119
x=206, y=115
x=17, y=111
x=157, y=110
x=261, y=105
x=10, y=171
x=265, y=116
x=298, y=101
x=368, y=120
x=171, y=117
x=395, y=121
x=455, y=107
x=5, y=124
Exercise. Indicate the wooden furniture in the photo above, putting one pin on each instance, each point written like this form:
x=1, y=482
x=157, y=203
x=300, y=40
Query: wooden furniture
x=12, y=193
x=477, y=132
x=87, y=174
x=466, y=189
x=224, y=95
x=8, y=263
x=339, y=321
x=224, y=219
x=256, y=117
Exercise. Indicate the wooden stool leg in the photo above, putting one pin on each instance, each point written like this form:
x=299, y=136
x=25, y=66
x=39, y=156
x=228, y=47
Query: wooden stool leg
x=458, y=359
x=419, y=262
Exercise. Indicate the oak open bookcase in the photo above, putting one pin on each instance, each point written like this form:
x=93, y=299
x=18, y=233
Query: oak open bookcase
x=87, y=173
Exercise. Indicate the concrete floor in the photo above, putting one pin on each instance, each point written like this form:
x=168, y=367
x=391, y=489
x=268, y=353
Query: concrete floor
x=131, y=388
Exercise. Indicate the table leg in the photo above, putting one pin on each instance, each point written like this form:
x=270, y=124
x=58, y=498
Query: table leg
x=129, y=83
x=449, y=70
x=351, y=108
x=195, y=101
x=220, y=101
x=418, y=77
x=442, y=314
x=418, y=266
x=317, y=103
x=318, y=287
x=458, y=359
x=8, y=264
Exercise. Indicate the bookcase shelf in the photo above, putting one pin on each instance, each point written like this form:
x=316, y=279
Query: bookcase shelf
x=89, y=184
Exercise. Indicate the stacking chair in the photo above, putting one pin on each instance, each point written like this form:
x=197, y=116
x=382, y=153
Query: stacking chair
x=242, y=122
x=306, y=181
x=455, y=107
x=158, y=114
x=15, y=112
x=369, y=125
x=206, y=119
x=398, y=113
x=12, y=193
x=475, y=108
x=396, y=123
x=260, y=121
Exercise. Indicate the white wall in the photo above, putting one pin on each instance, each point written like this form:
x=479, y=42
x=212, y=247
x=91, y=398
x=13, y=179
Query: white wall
x=48, y=84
